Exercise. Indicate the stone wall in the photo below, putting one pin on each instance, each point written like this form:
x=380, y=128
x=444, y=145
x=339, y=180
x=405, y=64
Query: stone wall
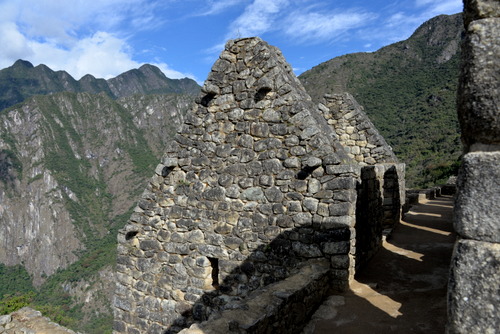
x=380, y=196
x=356, y=132
x=474, y=285
x=255, y=185
x=251, y=187
x=281, y=308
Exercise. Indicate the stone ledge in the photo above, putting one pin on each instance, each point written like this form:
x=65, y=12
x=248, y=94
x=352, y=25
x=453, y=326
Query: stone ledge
x=282, y=307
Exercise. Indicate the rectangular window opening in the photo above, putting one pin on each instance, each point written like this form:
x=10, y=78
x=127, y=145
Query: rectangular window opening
x=214, y=262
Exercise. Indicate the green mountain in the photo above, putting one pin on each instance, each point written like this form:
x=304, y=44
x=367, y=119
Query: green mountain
x=408, y=90
x=23, y=80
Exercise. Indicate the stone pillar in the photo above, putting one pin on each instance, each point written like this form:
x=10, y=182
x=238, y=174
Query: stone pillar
x=473, y=298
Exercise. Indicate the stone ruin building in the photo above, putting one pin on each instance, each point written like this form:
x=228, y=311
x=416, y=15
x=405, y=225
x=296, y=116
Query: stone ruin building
x=262, y=204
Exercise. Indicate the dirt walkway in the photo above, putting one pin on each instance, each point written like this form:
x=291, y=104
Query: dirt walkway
x=403, y=288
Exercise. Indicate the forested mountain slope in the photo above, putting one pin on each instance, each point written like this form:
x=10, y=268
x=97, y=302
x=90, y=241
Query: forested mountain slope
x=408, y=90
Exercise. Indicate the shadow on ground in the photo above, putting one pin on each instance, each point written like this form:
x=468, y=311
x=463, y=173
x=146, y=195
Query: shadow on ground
x=403, y=288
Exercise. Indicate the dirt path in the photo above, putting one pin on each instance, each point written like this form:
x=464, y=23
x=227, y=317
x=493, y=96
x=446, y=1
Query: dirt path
x=403, y=288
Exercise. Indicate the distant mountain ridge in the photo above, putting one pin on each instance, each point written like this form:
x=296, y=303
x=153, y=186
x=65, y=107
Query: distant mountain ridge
x=23, y=80
x=409, y=92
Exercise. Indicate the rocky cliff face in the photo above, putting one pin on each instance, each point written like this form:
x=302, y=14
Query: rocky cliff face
x=65, y=157
x=74, y=156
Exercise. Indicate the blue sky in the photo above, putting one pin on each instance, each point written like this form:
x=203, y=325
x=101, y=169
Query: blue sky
x=184, y=37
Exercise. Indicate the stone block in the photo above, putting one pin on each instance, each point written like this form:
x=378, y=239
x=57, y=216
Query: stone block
x=473, y=298
x=332, y=248
x=5, y=319
x=477, y=208
x=340, y=262
x=307, y=251
x=479, y=100
x=341, y=209
x=341, y=183
x=480, y=9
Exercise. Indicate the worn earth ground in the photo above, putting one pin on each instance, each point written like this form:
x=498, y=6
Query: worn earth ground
x=403, y=288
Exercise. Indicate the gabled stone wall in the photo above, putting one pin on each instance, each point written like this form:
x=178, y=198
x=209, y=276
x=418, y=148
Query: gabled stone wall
x=356, y=132
x=253, y=188
x=248, y=190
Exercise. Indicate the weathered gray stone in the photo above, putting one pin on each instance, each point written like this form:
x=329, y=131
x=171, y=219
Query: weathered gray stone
x=273, y=194
x=149, y=245
x=342, y=209
x=480, y=9
x=271, y=115
x=214, y=194
x=302, y=218
x=333, y=248
x=253, y=194
x=311, y=162
x=341, y=183
x=293, y=162
x=307, y=251
x=340, y=262
x=311, y=204
x=477, y=208
x=5, y=319
x=479, y=89
x=473, y=298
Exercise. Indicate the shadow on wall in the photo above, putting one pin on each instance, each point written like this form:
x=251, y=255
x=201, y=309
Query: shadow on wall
x=393, y=194
x=266, y=266
x=368, y=216
x=378, y=207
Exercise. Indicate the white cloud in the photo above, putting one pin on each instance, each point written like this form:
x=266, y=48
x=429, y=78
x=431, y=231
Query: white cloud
x=18, y=46
x=421, y=3
x=173, y=74
x=258, y=18
x=443, y=7
x=218, y=6
x=400, y=25
x=80, y=37
x=302, y=21
x=315, y=27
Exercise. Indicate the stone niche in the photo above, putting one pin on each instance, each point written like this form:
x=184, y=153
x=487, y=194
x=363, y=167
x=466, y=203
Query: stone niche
x=254, y=190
